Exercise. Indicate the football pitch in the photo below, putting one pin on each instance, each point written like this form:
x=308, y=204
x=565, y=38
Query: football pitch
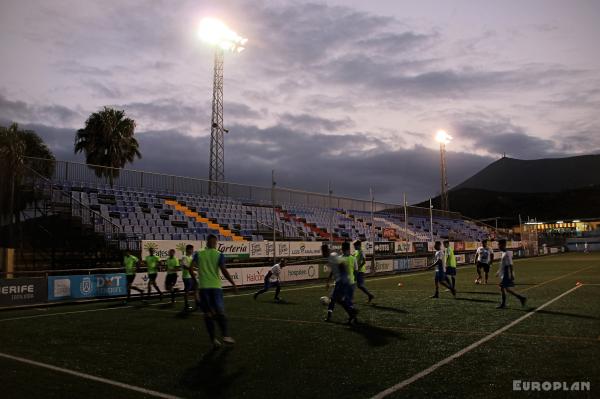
x=406, y=344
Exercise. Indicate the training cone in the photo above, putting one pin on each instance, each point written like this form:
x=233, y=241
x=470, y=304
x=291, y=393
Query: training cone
x=579, y=283
x=400, y=285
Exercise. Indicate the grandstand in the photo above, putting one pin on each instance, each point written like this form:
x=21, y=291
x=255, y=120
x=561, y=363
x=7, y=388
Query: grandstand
x=178, y=208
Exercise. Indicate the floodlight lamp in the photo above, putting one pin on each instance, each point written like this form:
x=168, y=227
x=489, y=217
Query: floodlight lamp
x=216, y=33
x=442, y=137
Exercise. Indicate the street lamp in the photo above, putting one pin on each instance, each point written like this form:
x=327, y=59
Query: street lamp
x=218, y=35
x=443, y=138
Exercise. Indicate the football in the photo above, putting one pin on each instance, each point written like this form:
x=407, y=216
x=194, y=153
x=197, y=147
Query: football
x=325, y=300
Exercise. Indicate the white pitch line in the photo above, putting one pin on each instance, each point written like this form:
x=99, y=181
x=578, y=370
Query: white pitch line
x=90, y=377
x=469, y=348
x=401, y=275
x=160, y=303
x=35, y=316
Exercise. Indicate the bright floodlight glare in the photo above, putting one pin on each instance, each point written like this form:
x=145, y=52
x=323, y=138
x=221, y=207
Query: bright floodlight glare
x=216, y=33
x=442, y=137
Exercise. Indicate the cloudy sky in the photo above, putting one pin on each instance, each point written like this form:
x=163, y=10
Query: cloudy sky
x=347, y=90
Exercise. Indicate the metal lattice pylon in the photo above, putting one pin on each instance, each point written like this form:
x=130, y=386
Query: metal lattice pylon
x=216, y=173
x=445, y=203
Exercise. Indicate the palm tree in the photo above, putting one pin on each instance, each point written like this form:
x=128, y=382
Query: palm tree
x=107, y=140
x=16, y=145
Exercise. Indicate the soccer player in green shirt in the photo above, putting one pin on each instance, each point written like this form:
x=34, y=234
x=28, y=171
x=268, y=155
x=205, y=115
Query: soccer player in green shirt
x=187, y=273
x=152, y=262
x=362, y=269
x=450, y=263
x=131, y=262
x=172, y=268
x=208, y=263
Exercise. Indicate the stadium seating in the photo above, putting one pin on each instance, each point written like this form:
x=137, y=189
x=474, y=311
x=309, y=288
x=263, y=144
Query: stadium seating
x=161, y=215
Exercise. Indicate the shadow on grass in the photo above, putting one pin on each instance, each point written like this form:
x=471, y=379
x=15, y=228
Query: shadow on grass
x=375, y=336
x=387, y=308
x=210, y=375
x=476, y=300
x=282, y=302
x=184, y=314
x=481, y=292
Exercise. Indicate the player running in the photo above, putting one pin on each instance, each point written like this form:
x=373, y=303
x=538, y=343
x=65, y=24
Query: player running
x=152, y=262
x=483, y=259
x=131, y=263
x=450, y=263
x=272, y=280
x=187, y=274
x=208, y=262
x=351, y=267
x=342, y=289
x=507, y=275
x=362, y=269
x=440, y=274
x=172, y=268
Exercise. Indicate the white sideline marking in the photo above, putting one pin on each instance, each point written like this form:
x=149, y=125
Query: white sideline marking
x=469, y=348
x=161, y=303
x=90, y=377
x=61, y=313
x=401, y=275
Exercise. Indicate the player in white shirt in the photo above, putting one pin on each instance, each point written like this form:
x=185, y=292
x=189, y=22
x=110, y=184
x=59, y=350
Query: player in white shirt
x=507, y=275
x=272, y=280
x=483, y=259
x=439, y=262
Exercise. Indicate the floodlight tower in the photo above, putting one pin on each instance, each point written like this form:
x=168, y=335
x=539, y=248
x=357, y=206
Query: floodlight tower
x=443, y=138
x=219, y=36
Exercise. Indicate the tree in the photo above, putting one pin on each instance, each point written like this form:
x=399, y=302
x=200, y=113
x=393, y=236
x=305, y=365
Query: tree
x=107, y=140
x=20, y=150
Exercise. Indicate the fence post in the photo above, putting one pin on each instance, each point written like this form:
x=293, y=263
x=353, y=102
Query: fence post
x=67, y=171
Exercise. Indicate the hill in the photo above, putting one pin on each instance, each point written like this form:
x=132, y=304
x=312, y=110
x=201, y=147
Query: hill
x=545, y=189
x=549, y=175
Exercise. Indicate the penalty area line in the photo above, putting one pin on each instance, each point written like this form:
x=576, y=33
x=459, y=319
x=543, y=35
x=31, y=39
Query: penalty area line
x=89, y=377
x=467, y=349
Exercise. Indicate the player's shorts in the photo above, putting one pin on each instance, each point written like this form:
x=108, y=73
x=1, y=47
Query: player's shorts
x=360, y=278
x=341, y=289
x=268, y=284
x=152, y=276
x=130, y=278
x=451, y=271
x=440, y=275
x=171, y=280
x=507, y=282
x=211, y=300
x=189, y=284
x=484, y=266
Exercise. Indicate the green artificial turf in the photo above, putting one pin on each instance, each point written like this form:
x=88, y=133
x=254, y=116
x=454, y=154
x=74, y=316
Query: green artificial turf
x=287, y=350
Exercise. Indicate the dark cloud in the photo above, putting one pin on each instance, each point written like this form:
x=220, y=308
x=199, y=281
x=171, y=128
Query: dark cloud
x=168, y=111
x=500, y=136
x=19, y=111
x=241, y=111
x=312, y=123
x=393, y=44
x=300, y=161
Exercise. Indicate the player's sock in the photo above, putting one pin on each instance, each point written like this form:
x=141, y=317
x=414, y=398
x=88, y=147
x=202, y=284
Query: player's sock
x=210, y=327
x=222, y=322
x=453, y=282
x=522, y=299
x=277, y=291
x=331, y=305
